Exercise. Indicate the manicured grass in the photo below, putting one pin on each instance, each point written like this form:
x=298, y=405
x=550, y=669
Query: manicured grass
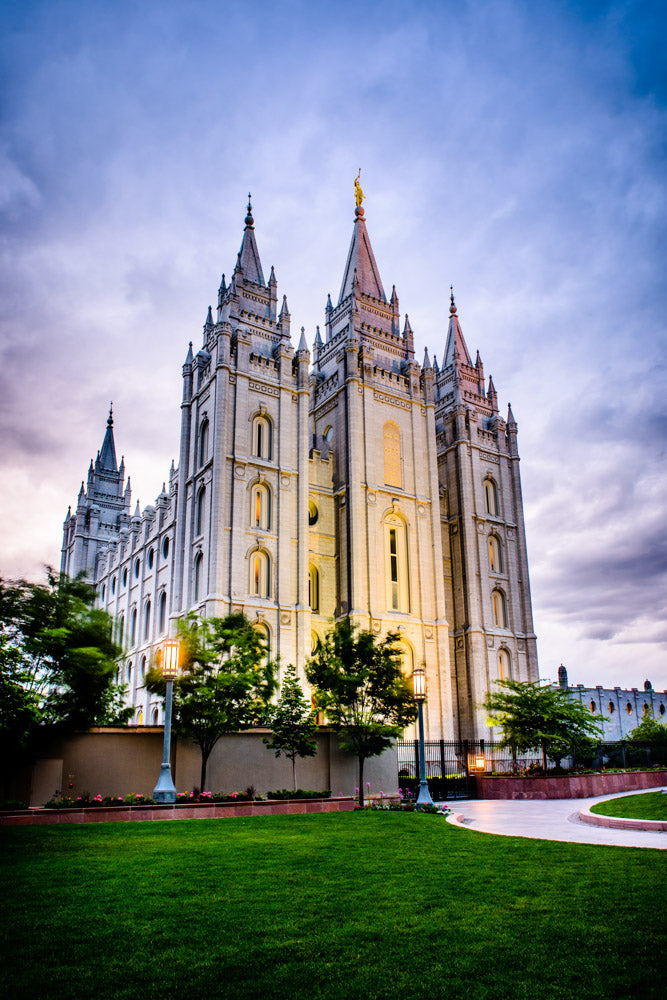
x=379, y=906
x=649, y=805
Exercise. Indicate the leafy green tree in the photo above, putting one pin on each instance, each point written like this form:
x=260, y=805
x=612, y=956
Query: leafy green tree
x=19, y=711
x=360, y=685
x=292, y=723
x=649, y=730
x=226, y=682
x=534, y=714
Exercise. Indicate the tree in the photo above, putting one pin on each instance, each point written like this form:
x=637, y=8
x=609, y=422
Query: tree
x=58, y=664
x=360, y=685
x=226, y=684
x=292, y=723
x=649, y=729
x=533, y=713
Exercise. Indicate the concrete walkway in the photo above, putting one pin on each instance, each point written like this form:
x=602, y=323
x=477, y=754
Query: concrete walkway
x=548, y=819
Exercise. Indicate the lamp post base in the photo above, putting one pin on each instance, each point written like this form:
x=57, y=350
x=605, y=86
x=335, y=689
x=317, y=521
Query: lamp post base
x=424, y=797
x=164, y=791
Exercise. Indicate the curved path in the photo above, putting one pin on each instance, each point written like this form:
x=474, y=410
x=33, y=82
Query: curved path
x=549, y=819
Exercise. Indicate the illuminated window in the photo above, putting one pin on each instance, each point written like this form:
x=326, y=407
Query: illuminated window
x=313, y=513
x=314, y=588
x=203, y=442
x=391, y=441
x=495, y=554
x=200, y=518
x=593, y=706
x=397, y=571
x=260, y=512
x=504, y=665
x=198, y=576
x=259, y=574
x=147, y=620
x=628, y=708
x=499, y=609
x=611, y=708
x=491, y=497
x=262, y=433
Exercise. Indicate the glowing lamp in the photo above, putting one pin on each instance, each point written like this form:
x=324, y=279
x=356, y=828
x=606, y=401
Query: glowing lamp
x=480, y=763
x=170, y=654
x=419, y=683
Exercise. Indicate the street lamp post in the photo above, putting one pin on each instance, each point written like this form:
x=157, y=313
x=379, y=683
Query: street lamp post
x=164, y=790
x=419, y=690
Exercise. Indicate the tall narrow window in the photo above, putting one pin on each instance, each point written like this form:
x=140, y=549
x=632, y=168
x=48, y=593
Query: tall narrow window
x=162, y=612
x=499, y=609
x=260, y=511
x=314, y=588
x=391, y=440
x=203, y=442
x=198, y=573
x=200, y=517
x=491, y=497
x=262, y=437
x=259, y=574
x=397, y=572
x=133, y=627
x=495, y=554
x=504, y=671
x=147, y=620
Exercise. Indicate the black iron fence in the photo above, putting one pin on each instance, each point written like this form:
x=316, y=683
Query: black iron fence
x=451, y=765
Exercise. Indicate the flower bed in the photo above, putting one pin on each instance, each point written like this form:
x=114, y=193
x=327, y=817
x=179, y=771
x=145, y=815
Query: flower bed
x=567, y=786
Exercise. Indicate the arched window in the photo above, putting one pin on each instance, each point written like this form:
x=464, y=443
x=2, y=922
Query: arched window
x=198, y=577
x=260, y=506
x=137, y=567
x=313, y=588
x=200, y=513
x=147, y=620
x=265, y=636
x=203, y=442
x=133, y=627
x=495, y=554
x=129, y=673
x=121, y=629
x=396, y=563
x=391, y=441
x=504, y=665
x=491, y=497
x=499, y=609
x=156, y=716
x=151, y=557
x=262, y=434
x=142, y=669
x=162, y=612
x=260, y=566
x=593, y=706
x=124, y=577
x=113, y=585
x=628, y=708
x=165, y=547
x=104, y=591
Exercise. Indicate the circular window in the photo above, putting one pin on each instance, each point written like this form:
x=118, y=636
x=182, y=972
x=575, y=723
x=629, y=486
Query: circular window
x=313, y=513
x=165, y=548
x=124, y=578
x=151, y=556
x=113, y=585
x=137, y=567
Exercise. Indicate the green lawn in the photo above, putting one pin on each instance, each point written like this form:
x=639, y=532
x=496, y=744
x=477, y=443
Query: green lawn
x=649, y=805
x=351, y=906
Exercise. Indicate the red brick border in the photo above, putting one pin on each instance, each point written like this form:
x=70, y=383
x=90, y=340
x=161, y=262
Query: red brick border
x=566, y=786
x=215, y=810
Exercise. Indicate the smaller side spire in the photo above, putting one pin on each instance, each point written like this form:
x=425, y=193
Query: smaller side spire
x=189, y=355
x=303, y=345
x=427, y=361
x=208, y=322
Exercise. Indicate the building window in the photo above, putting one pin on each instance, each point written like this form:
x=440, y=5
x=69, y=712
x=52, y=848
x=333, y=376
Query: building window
x=203, y=442
x=491, y=497
x=397, y=570
x=165, y=548
x=628, y=708
x=156, y=716
x=121, y=629
x=113, y=585
x=504, y=665
x=133, y=627
x=391, y=441
x=260, y=512
x=313, y=588
x=124, y=578
x=200, y=515
x=137, y=567
x=142, y=669
x=262, y=433
x=151, y=557
x=611, y=708
x=162, y=613
x=661, y=709
x=593, y=706
x=147, y=621
x=313, y=513
x=495, y=554
x=260, y=565
x=129, y=673
x=499, y=609
x=198, y=576
x=104, y=591
x=265, y=640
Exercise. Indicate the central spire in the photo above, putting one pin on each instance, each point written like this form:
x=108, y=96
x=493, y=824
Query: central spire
x=248, y=259
x=361, y=272
x=107, y=458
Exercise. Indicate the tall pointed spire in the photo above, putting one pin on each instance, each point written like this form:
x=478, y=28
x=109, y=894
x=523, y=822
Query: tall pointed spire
x=361, y=269
x=455, y=349
x=248, y=259
x=107, y=459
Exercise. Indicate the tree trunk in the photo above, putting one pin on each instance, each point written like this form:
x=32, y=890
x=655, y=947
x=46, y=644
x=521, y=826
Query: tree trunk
x=294, y=773
x=202, y=777
x=361, y=782
x=544, y=758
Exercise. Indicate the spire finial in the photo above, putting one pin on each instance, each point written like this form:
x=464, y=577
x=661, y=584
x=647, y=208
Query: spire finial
x=249, y=221
x=452, y=308
x=358, y=196
x=110, y=417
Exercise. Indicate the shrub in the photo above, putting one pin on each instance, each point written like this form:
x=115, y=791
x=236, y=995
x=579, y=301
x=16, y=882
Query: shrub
x=300, y=793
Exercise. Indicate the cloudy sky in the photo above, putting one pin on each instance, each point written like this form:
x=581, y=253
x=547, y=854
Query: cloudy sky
x=513, y=148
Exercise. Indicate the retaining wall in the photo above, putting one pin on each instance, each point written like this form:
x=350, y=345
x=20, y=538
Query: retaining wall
x=567, y=786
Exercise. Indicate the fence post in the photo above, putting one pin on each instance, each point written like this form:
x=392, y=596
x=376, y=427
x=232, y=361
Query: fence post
x=442, y=758
x=417, y=759
x=465, y=757
x=625, y=756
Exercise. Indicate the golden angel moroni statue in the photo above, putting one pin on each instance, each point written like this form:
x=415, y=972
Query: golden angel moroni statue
x=358, y=193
